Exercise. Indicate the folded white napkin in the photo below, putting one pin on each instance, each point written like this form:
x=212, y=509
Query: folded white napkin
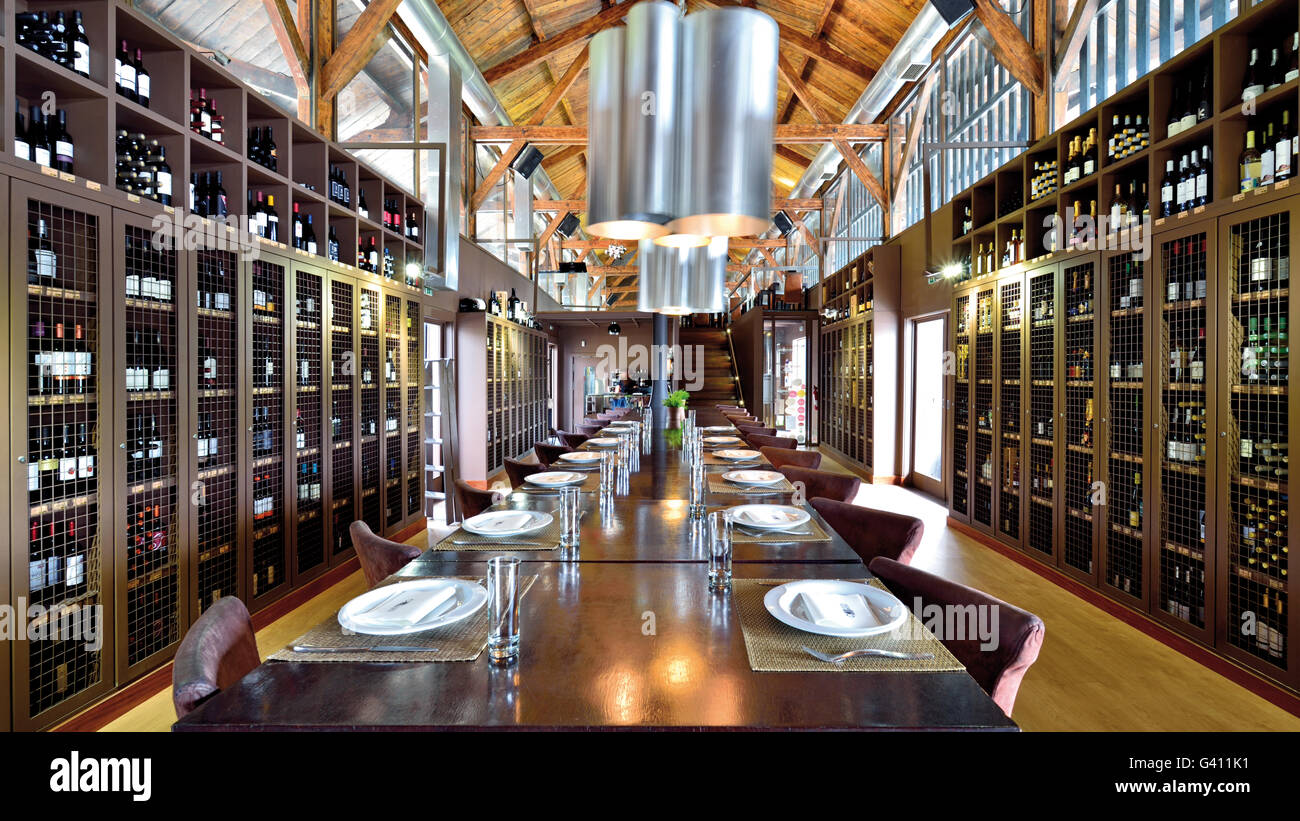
x=769, y=516
x=837, y=609
x=408, y=607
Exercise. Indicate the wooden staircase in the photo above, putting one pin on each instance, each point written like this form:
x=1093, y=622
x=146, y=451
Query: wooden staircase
x=719, y=374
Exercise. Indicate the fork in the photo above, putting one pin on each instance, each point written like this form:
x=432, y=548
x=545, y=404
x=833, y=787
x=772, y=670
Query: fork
x=868, y=651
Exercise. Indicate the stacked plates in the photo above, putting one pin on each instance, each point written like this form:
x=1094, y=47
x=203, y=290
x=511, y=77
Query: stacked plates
x=603, y=442
x=555, y=478
x=580, y=457
x=739, y=455
x=718, y=441
x=753, y=477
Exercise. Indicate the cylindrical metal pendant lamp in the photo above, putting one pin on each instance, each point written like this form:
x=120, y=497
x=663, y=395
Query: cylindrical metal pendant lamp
x=651, y=71
x=682, y=280
x=728, y=116
x=605, y=192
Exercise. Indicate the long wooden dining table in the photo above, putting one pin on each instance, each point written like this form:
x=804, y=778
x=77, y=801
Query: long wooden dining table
x=623, y=635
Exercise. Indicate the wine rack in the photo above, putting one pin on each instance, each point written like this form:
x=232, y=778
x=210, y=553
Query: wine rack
x=393, y=512
x=414, y=332
x=368, y=319
x=148, y=538
x=216, y=437
x=1256, y=275
x=309, y=479
x=1186, y=419
x=961, y=406
x=1126, y=454
x=61, y=333
x=343, y=423
x=1043, y=334
x=1080, y=434
x=268, y=544
x=1010, y=388
x=982, y=452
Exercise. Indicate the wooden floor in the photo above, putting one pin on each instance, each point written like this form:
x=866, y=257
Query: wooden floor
x=1094, y=673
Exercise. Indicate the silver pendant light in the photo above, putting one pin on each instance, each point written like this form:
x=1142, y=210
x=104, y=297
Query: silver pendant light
x=728, y=116
x=682, y=280
x=650, y=115
x=605, y=192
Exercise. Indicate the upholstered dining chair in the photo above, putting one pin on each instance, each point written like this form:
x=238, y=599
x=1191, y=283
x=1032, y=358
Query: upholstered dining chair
x=573, y=440
x=473, y=500
x=780, y=457
x=219, y=649
x=822, y=484
x=871, y=532
x=379, y=557
x=758, y=440
x=590, y=429
x=999, y=670
x=746, y=430
x=518, y=470
x=549, y=454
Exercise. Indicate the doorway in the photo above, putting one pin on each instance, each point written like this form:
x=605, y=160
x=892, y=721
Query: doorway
x=929, y=336
x=787, y=359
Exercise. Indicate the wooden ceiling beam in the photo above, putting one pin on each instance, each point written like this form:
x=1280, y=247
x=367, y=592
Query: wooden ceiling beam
x=561, y=88
x=489, y=182
x=807, y=234
x=534, y=54
x=778, y=204
x=788, y=134
x=286, y=33
x=1010, y=48
x=368, y=34
x=913, y=138
x=800, y=90
x=323, y=52
x=873, y=186
x=1076, y=31
x=824, y=51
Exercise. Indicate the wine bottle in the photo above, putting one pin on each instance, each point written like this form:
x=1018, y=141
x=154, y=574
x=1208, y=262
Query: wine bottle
x=125, y=71
x=1253, y=84
x=41, y=153
x=1250, y=163
x=309, y=237
x=78, y=45
x=142, y=80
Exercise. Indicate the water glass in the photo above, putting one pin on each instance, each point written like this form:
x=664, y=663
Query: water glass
x=570, y=515
x=607, y=465
x=720, y=550
x=697, y=490
x=503, y=609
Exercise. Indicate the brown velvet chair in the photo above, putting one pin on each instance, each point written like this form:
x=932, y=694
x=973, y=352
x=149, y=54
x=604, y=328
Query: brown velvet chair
x=780, y=457
x=379, y=557
x=573, y=440
x=746, y=430
x=590, y=429
x=821, y=484
x=872, y=532
x=549, y=454
x=758, y=440
x=219, y=649
x=473, y=500
x=517, y=470
x=1020, y=633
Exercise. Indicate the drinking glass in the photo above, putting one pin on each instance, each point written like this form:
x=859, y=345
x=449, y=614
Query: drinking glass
x=607, y=464
x=570, y=515
x=503, y=609
x=720, y=550
x=697, y=490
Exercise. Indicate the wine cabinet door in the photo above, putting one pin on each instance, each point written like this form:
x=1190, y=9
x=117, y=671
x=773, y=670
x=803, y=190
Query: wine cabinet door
x=1010, y=385
x=866, y=437
x=1083, y=495
x=1125, y=432
x=268, y=408
x=61, y=311
x=309, y=531
x=412, y=332
x=342, y=429
x=983, y=368
x=392, y=416
x=370, y=429
x=1044, y=478
x=963, y=317
x=1255, y=418
x=217, y=445
x=153, y=434
x=1184, y=305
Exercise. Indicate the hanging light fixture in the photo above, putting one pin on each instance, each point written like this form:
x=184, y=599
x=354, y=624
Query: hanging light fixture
x=604, y=127
x=614, y=329
x=649, y=140
x=682, y=280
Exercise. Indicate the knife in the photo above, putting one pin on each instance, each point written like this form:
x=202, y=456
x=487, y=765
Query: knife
x=307, y=648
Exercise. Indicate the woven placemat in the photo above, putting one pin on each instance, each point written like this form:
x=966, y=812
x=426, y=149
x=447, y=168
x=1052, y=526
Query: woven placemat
x=462, y=641
x=548, y=538
x=774, y=647
x=711, y=461
x=719, y=485
x=590, y=484
x=818, y=534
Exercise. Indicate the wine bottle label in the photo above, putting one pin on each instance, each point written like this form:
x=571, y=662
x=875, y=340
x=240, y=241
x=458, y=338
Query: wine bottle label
x=203, y=448
x=1266, y=167
x=126, y=73
x=311, y=246
x=1202, y=185
x=42, y=155
x=81, y=58
x=22, y=149
x=85, y=467
x=67, y=468
x=75, y=572
x=142, y=86
x=36, y=575
x=163, y=183
x=46, y=263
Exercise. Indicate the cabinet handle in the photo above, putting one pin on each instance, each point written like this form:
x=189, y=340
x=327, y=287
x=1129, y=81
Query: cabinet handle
x=22, y=460
x=122, y=446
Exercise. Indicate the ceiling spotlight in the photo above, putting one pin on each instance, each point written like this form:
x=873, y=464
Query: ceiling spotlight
x=614, y=329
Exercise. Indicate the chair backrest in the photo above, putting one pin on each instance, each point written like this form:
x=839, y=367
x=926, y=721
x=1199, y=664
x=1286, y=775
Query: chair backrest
x=473, y=500
x=589, y=428
x=745, y=430
x=573, y=440
x=998, y=669
x=822, y=484
x=379, y=557
x=219, y=649
x=517, y=471
x=780, y=457
x=549, y=454
x=871, y=532
x=758, y=440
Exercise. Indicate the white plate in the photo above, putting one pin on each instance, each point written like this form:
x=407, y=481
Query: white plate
x=507, y=522
x=719, y=429
x=722, y=440
x=620, y=425
x=769, y=517
x=753, y=477
x=581, y=457
x=470, y=596
x=555, y=478
x=603, y=442
x=785, y=604
x=737, y=455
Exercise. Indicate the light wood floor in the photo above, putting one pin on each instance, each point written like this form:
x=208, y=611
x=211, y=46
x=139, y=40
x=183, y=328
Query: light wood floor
x=1094, y=673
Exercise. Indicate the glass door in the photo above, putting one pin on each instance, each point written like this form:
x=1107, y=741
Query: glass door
x=785, y=387
x=928, y=337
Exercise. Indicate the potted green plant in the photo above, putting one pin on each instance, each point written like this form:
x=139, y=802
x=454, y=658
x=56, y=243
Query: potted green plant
x=676, y=405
